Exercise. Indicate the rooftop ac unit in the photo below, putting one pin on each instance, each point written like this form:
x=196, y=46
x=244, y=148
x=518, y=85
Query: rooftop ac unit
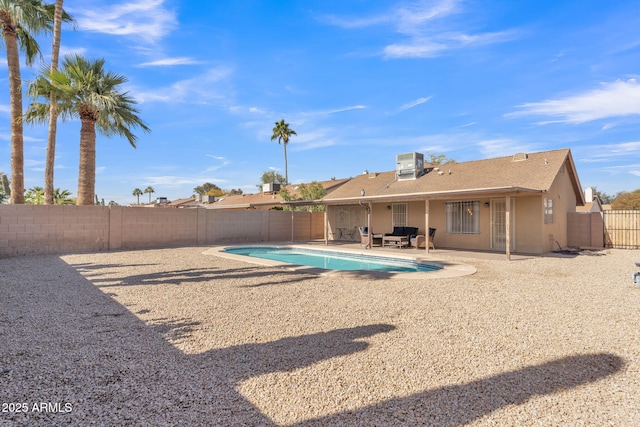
x=409, y=165
x=270, y=187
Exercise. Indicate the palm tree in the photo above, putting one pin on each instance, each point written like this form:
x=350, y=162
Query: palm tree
x=281, y=132
x=149, y=190
x=21, y=20
x=34, y=196
x=84, y=90
x=61, y=197
x=137, y=193
x=53, y=109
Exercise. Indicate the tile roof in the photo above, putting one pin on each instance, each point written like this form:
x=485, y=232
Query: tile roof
x=503, y=174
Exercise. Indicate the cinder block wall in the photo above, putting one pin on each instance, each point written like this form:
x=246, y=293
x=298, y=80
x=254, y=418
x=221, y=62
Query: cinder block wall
x=585, y=230
x=29, y=229
x=36, y=229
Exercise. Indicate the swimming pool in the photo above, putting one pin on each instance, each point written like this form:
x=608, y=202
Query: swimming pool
x=330, y=260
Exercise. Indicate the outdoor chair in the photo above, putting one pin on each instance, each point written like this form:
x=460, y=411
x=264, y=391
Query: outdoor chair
x=376, y=239
x=419, y=240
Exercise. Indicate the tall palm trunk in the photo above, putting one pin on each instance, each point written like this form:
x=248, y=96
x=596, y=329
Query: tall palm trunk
x=53, y=110
x=286, y=166
x=87, y=172
x=15, y=94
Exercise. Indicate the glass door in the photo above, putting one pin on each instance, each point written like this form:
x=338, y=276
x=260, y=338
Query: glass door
x=498, y=224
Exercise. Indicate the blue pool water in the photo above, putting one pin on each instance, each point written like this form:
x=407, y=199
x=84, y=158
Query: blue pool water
x=332, y=260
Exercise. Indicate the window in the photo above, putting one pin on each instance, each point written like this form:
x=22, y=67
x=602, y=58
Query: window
x=399, y=215
x=548, y=211
x=463, y=217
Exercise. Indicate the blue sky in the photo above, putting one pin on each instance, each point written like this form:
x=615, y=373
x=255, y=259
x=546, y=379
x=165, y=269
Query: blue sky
x=360, y=81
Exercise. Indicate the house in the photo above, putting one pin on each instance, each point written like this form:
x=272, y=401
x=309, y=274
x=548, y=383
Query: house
x=517, y=203
x=270, y=197
x=592, y=203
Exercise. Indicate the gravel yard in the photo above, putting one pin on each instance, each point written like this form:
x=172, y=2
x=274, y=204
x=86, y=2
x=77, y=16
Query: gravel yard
x=179, y=337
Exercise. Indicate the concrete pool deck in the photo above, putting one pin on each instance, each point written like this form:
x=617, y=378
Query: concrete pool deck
x=449, y=269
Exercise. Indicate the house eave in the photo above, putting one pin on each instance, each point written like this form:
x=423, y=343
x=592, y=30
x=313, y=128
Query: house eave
x=432, y=195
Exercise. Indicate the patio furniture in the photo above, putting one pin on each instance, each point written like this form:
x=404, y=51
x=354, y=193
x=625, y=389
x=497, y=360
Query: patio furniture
x=419, y=241
x=398, y=241
x=400, y=236
x=376, y=239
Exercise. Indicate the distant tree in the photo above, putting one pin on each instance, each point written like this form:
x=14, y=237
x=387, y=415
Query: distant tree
x=5, y=187
x=233, y=191
x=271, y=177
x=282, y=133
x=438, y=159
x=99, y=202
x=605, y=198
x=112, y=203
x=34, y=196
x=312, y=191
x=137, y=193
x=627, y=200
x=208, y=189
x=62, y=197
x=149, y=190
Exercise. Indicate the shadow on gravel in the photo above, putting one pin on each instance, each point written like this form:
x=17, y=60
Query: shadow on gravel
x=115, y=369
x=461, y=404
x=193, y=275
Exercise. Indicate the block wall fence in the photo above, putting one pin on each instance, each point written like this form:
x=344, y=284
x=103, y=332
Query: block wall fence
x=585, y=230
x=38, y=229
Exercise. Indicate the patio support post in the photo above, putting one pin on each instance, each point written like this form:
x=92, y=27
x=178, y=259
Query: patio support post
x=292, y=227
x=370, y=231
x=507, y=225
x=426, y=225
x=326, y=225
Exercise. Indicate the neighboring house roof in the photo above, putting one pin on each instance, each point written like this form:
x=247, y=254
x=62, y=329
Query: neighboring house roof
x=499, y=175
x=189, y=202
x=594, y=206
x=248, y=201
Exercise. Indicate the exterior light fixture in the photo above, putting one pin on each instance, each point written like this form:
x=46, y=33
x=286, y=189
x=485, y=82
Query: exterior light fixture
x=362, y=192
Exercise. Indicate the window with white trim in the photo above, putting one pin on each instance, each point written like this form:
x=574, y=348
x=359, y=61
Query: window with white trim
x=548, y=211
x=399, y=215
x=463, y=217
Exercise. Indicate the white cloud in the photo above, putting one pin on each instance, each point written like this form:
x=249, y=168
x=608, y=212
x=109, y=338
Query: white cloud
x=500, y=147
x=223, y=160
x=201, y=88
x=147, y=19
x=177, y=181
x=414, y=103
x=169, y=62
x=333, y=111
x=607, y=152
x=617, y=99
x=424, y=39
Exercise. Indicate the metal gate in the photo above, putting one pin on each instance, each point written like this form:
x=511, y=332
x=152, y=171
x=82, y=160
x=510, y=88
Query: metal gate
x=622, y=229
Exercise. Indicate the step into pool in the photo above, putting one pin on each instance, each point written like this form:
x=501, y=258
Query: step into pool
x=333, y=260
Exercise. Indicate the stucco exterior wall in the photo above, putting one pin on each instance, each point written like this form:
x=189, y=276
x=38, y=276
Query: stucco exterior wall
x=526, y=219
x=564, y=202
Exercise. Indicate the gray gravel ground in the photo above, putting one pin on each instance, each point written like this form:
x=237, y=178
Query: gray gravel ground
x=177, y=337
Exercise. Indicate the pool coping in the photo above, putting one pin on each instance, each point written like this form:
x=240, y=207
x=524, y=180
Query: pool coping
x=449, y=269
